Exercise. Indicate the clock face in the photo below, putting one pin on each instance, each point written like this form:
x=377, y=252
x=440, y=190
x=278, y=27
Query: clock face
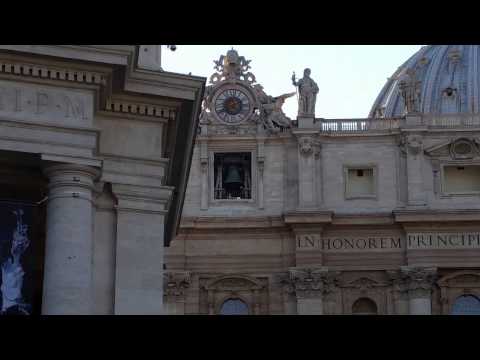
x=232, y=106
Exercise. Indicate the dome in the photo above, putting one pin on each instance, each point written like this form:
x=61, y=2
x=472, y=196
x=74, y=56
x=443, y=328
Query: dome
x=449, y=81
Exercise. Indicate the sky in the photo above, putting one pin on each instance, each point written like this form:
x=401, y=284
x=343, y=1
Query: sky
x=349, y=76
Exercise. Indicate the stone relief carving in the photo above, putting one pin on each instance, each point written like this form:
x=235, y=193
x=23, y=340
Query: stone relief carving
x=420, y=280
x=308, y=145
x=307, y=90
x=267, y=113
x=307, y=282
x=175, y=283
x=275, y=118
x=410, y=89
x=414, y=144
x=310, y=282
x=232, y=66
x=364, y=284
x=463, y=149
x=399, y=281
x=305, y=145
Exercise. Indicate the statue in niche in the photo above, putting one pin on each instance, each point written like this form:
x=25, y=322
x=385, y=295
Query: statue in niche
x=410, y=89
x=307, y=89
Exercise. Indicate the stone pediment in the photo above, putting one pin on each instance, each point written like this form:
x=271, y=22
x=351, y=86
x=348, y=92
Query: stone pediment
x=461, y=279
x=455, y=149
x=234, y=283
x=363, y=283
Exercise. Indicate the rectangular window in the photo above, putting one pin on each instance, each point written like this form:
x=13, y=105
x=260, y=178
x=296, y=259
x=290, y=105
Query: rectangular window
x=464, y=179
x=233, y=176
x=360, y=182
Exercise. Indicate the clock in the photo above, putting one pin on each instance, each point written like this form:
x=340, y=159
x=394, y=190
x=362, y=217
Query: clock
x=232, y=105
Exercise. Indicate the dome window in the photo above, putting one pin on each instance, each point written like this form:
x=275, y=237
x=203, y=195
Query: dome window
x=449, y=92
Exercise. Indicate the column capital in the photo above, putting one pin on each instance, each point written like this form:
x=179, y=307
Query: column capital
x=399, y=282
x=70, y=180
x=52, y=169
x=311, y=282
x=420, y=280
x=143, y=199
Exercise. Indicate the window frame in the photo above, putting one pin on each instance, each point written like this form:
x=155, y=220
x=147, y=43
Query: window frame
x=253, y=175
x=457, y=163
x=347, y=168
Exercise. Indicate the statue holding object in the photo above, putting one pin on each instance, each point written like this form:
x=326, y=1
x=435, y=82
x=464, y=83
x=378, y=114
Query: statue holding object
x=308, y=90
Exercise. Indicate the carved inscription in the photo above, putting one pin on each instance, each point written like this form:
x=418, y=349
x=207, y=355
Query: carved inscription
x=443, y=240
x=348, y=243
x=29, y=102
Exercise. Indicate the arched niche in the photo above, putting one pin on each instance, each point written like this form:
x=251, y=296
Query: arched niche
x=364, y=306
x=455, y=285
x=246, y=289
x=467, y=304
x=234, y=306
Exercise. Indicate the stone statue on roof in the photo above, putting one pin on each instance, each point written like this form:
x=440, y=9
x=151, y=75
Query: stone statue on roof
x=410, y=89
x=308, y=90
x=275, y=117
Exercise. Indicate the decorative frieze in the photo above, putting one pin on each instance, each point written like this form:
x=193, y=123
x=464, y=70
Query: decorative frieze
x=128, y=107
x=51, y=72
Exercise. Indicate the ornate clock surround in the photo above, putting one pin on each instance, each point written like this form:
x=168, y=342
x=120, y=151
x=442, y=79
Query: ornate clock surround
x=227, y=91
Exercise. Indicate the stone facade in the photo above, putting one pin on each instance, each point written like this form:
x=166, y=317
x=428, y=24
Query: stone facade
x=99, y=138
x=345, y=216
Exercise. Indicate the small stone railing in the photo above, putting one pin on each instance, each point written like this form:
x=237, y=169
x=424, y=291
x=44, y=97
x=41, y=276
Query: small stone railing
x=358, y=125
x=452, y=121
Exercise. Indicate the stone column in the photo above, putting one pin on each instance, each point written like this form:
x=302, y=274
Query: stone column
x=174, y=291
x=287, y=287
x=67, y=284
x=204, y=195
x=308, y=285
x=307, y=196
x=260, y=167
x=399, y=291
x=420, y=282
x=140, y=248
x=415, y=188
x=204, y=175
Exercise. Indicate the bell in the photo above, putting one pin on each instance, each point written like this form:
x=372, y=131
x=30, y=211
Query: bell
x=233, y=176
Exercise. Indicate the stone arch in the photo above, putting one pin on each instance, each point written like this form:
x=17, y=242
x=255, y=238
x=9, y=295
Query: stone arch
x=466, y=304
x=457, y=284
x=245, y=288
x=233, y=297
x=364, y=306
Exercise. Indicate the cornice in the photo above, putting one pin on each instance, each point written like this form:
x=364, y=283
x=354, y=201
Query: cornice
x=109, y=54
x=308, y=217
x=402, y=216
x=216, y=222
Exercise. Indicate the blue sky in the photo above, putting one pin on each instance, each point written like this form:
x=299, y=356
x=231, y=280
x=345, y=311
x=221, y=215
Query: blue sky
x=349, y=76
